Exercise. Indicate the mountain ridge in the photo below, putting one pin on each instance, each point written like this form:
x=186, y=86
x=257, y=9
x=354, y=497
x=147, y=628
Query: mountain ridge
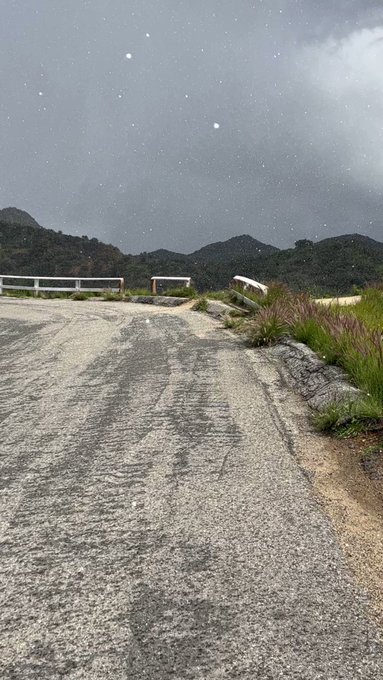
x=334, y=265
x=18, y=217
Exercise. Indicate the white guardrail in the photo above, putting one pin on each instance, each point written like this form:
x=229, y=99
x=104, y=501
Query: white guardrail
x=51, y=289
x=247, y=284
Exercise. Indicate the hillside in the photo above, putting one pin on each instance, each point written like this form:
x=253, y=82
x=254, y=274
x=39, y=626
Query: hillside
x=17, y=217
x=234, y=248
x=27, y=249
x=334, y=265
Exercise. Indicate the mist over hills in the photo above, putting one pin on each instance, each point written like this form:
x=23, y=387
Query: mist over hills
x=334, y=265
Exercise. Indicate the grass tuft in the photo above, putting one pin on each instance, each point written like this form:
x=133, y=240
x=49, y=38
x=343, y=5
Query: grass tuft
x=201, y=304
x=184, y=291
x=110, y=296
x=234, y=322
x=350, y=340
x=81, y=295
x=349, y=419
x=267, y=327
x=221, y=295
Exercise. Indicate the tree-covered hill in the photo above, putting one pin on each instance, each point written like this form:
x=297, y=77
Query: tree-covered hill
x=234, y=248
x=334, y=265
x=18, y=217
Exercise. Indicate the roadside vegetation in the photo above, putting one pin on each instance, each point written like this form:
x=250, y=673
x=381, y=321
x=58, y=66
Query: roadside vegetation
x=201, y=304
x=370, y=309
x=137, y=291
x=183, y=291
x=348, y=337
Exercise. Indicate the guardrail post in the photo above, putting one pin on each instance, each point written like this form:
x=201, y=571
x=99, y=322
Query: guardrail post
x=36, y=285
x=78, y=284
x=1, y=285
x=122, y=286
x=154, y=286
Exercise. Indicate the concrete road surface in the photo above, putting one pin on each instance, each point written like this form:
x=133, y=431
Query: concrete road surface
x=342, y=301
x=154, y=521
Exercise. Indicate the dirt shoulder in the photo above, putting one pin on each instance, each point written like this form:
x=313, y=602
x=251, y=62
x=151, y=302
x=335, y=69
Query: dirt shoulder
x=347, y=477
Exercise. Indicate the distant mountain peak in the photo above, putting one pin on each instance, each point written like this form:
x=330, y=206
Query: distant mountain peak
x=235, y=247
x=18, y=218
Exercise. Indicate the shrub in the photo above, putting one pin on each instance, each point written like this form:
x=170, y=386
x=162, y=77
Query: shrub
x=276, y=291
x=222, y=295
x=184, y=291
x=369, y=309
x=200, y=305
x=18, y=293
x=338, y=338
x=80, y=295
x=267, y=327
x=110, y=296
x=233, y=321
x=349, y=419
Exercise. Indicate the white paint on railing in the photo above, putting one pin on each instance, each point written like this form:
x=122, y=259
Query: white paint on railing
x=66, y=289
x=249, y=284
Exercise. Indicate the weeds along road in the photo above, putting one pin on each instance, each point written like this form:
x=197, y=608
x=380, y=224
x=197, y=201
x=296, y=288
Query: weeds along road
x=154, y=521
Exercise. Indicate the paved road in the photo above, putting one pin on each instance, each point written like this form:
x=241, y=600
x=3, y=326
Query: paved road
x=349, y=300
x=154, y=522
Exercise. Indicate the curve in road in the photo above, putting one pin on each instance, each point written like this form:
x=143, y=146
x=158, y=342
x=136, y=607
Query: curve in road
x=154, y=521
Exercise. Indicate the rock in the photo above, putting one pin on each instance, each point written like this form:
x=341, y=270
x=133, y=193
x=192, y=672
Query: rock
x=159, y=300
x=319, y=384
x=218, y=309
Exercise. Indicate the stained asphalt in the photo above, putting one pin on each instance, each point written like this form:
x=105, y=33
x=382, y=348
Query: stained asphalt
x=154, y=522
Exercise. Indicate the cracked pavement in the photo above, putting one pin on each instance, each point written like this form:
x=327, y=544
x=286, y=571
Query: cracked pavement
x=154, y=522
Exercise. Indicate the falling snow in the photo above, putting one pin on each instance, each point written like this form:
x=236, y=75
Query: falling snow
x=289, y=88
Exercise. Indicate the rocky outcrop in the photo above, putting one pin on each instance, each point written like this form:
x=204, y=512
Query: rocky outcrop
x=319, y=384
x=218, y=309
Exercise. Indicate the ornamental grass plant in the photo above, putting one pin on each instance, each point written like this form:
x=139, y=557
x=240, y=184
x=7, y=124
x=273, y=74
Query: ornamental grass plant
x=350, y=340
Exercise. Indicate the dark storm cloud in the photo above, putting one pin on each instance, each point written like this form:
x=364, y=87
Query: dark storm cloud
x=124, y=147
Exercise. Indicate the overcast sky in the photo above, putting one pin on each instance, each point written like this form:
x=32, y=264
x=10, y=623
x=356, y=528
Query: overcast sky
x=174, y=123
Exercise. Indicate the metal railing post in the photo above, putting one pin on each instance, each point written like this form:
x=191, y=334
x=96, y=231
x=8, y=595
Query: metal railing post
x=1, y=285
x=36, y=285
x=78, y=284
x=122, y=286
